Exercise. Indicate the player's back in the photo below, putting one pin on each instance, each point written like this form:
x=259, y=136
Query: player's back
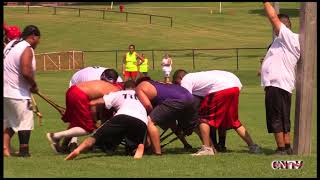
x=87, y=74
x=126, y=102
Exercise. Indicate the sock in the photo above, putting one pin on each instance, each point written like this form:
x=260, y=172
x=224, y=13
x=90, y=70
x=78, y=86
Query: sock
x=287, y=146
x=74, y=140
x=24, y=149
x=281, y=148
x=222, y=141
x=73, y=132
x=24, y=136
x=213, y=135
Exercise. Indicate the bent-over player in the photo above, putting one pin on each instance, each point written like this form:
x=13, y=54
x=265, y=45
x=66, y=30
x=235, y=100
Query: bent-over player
x=130, y=121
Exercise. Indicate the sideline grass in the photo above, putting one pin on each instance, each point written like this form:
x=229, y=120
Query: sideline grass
x=241, y=25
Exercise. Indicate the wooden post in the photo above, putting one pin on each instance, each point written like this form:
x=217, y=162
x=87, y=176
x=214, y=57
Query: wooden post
x=116, y=59
x=305, y=78
x=103, y=14
x=126, y=16
x=79, y=12
x=194, y=67
x=171, y=22
x=277, y=8
x=55, y=10
x=237, y=52
x=153, y=59
x=150, y=19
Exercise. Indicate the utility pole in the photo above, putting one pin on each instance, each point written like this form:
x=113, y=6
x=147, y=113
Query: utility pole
x=305, y=78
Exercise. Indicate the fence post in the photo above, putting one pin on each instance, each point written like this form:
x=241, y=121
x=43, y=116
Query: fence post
x=59, y=65
x=150, y=19
x=171, y=22
x=54, y=10
x=73, y=64
x=194, y=67
x=44, y=62
x=82, y=59
x=116, y=59
x=103, y=14
x=126, y=16
x=152, y=59
x=28, y=8
x=79, y=12
x=237, y=51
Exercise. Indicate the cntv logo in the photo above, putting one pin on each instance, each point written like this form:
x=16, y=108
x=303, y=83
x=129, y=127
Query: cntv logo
x=286, y=164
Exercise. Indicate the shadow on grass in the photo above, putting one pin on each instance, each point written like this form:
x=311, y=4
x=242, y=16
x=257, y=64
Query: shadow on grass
x=289, y=12
x=265, y=151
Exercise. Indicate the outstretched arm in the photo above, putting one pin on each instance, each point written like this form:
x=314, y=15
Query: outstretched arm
x=272, y=16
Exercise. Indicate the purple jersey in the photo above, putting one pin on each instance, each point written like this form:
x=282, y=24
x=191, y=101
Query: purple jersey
x=169, y=91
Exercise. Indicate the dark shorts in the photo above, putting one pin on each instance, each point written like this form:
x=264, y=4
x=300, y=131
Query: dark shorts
x=120, y=127
x=169, y=111
x=278, y=104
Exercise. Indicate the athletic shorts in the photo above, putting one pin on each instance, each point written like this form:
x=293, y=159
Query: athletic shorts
x=78, y=112
x=170, y=110
x=119, y=127
x=17, y=114
x=220, y=109
x=131, y=74
x=278, y=104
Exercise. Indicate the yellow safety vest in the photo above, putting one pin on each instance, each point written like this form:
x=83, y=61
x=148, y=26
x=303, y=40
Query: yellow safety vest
x=144, y=66
x=131, y=62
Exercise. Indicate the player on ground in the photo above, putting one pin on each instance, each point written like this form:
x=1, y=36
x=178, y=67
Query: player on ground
x=219, y=108
x=165, y=104
x=78, y=113
x=130, y=121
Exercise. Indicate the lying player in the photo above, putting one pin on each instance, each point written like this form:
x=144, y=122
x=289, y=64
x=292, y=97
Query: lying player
x=130, y=121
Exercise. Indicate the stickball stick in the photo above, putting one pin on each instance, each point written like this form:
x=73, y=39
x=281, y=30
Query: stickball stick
x=60, y=109
x=36, y=110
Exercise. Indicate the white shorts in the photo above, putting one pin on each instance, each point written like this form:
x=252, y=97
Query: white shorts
x=17, y=114
x=166, y=71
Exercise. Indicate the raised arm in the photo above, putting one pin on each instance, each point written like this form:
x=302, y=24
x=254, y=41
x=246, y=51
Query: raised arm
x=272, y=16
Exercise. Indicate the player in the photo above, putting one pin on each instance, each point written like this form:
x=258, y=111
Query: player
x=131, y=61
x=165, y=104
x=166, y=67
x=89, y=74
x=219, y=108
x=78, y=113
x=130, y=121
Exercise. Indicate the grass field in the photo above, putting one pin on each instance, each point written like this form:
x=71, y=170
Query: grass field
x=240, y=25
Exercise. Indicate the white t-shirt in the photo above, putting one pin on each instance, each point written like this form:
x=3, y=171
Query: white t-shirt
x=279, y=65
x=126, y=102
x=206, y=82
x=14, y=84
x=88, y=74
x=166, y=61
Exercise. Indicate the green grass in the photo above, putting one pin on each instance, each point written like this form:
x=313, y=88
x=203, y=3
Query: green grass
x=240, y=25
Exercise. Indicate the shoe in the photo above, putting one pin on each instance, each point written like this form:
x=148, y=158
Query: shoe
x=289, y=151
x=204, y=151
x=255, y=149
x=26, y=154
x=73, y=146
x=53, y=143
x=221, y=148
x=280, y=152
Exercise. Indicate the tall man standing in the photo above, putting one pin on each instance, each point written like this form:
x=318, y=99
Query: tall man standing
x=19, y=67
x=278, y=78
